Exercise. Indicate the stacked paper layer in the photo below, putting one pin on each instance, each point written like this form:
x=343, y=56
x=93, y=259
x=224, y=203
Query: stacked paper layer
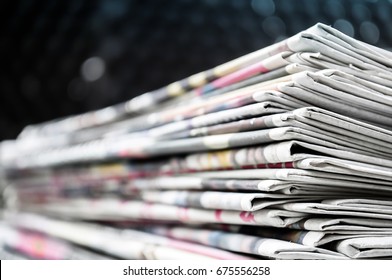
x=283, y=153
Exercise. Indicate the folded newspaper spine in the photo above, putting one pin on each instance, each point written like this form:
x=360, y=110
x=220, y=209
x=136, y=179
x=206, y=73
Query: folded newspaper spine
x=284, y=153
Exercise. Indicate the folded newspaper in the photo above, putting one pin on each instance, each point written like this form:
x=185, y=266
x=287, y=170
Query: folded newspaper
x=284, y=153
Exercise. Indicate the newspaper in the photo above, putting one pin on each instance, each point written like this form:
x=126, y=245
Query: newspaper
x=25, y=191
x=39, y=246
x=269, y=247
x=128, y=244
x=343, y=224
x=352, y=244
x=308, y=186
x=113, y=209
x=366, y=247
x=305, y=237
x=373, y=209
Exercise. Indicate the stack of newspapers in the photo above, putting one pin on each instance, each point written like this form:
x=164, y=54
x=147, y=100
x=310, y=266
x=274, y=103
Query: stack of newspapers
x=284, y=153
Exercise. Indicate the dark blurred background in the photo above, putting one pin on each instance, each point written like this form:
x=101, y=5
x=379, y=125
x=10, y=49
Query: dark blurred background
x=65, y=57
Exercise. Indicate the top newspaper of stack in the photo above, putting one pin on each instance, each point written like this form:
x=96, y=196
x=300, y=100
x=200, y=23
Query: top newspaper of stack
x=220, y=108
